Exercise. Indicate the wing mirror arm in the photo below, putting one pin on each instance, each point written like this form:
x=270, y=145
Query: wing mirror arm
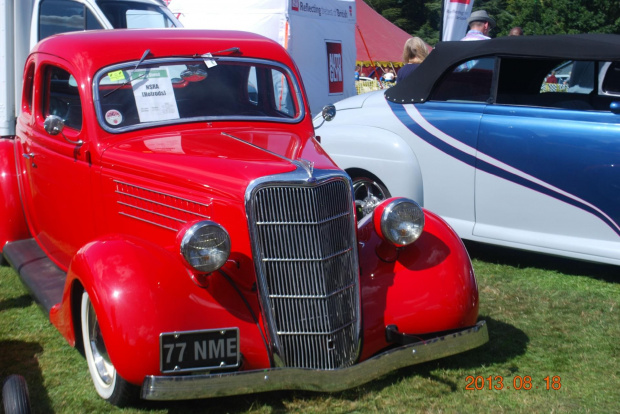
x=54, y=125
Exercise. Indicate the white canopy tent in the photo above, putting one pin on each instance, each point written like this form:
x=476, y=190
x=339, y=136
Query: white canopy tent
x=319, y=35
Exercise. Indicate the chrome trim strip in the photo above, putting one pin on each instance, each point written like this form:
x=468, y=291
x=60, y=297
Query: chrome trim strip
x=159, y=193
x=247, y=382
x=148, y=200
x=147, y=221
x=150, y=212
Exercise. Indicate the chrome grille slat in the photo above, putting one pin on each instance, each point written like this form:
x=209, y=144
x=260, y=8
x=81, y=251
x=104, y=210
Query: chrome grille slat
x=307, y=265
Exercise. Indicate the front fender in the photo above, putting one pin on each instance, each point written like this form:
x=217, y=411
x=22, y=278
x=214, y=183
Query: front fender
x=139, y=291
x=13, y=226
x=378, y=151
x=430, y=285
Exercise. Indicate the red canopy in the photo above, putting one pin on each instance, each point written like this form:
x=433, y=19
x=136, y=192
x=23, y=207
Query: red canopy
x=378, y=40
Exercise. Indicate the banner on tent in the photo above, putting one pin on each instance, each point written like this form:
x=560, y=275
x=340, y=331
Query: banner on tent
x=455, y=15
x=325, y=9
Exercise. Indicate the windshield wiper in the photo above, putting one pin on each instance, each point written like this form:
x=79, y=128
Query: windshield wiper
x=144, y=55
x=220, y=52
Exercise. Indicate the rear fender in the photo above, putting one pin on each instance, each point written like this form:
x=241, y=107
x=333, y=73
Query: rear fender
x=139, y=291
x=13, y=223
x=378, y=151
x=428, y=286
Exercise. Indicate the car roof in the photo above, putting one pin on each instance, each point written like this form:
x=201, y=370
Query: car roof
x=91, y=50
x=416, y=88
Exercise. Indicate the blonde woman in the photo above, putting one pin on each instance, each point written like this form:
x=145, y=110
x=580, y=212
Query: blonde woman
x=414, y=52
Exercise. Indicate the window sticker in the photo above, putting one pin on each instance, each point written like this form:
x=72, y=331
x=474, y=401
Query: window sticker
x=113, y=117
x=209, y=62
x=116, y=76
x=152, y=89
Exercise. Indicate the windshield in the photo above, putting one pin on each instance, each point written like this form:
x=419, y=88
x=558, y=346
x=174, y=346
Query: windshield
x=186, y=90
x=135, y=15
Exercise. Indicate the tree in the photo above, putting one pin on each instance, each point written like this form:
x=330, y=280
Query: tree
x=536, y=17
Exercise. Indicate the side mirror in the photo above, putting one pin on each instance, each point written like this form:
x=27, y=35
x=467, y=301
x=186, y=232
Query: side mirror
x=615, y=107
x=328, y=113
x=54, y=125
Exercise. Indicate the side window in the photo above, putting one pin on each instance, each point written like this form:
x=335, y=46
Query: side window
x=282, y=94
x=142, y=19
x=469, y=82
x=252, y=89
x=134, y=15
x=60, y=16
x=62, y=98
x=28, y=89
x=546, y=83
x=611, y=83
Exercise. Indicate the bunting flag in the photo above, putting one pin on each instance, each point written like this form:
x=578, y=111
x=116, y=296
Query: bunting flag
x=455, y=15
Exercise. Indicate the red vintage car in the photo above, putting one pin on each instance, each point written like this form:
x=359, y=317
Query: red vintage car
x=167, y=203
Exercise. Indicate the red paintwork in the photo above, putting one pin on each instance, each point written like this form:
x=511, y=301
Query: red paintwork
x=133, y=272
x=430, y=287
x=13, y=223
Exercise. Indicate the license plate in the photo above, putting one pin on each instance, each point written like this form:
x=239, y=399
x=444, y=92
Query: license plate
x=199, y=350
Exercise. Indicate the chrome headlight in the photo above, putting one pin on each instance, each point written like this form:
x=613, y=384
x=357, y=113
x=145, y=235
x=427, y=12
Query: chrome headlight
x=206, y=246
x=401, y=221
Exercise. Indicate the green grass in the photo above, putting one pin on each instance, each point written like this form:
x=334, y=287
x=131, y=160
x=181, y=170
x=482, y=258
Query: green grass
x=546, y=316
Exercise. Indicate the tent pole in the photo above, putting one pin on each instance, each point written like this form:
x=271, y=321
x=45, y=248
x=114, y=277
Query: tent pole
x=367, y=51
x=443, y=11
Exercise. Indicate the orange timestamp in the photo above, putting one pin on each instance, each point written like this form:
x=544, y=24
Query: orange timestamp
x=498, y=382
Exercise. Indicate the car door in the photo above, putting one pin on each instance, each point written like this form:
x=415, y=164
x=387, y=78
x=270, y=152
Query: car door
x=55, y=168
x=446, y=133
x=547, y=174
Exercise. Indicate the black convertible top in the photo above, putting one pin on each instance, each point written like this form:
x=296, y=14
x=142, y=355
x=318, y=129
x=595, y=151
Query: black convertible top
x=417, y=87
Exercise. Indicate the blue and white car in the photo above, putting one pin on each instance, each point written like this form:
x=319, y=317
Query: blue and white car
x=502, y=158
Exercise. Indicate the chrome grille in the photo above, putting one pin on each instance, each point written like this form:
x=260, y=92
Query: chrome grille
x=308, y=271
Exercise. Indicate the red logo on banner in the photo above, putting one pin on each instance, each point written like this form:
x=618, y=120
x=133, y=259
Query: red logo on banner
x=334, y=67
x=461, y=1
x=295, y=5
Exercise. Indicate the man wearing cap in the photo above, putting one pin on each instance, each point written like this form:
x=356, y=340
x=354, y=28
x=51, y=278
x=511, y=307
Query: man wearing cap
x=479, y=25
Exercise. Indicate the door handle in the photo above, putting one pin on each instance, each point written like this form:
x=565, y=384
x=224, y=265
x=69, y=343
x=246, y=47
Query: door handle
x=30, y=156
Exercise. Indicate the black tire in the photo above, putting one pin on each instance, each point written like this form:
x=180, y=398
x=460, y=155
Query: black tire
x=369, y=193
x=15, y=397
x=108, y=383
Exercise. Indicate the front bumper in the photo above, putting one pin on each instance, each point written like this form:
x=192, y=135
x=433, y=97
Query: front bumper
x=273, y=379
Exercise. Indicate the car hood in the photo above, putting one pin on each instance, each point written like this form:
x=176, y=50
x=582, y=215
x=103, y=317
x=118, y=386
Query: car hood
x=214, y=161
x=353, y=102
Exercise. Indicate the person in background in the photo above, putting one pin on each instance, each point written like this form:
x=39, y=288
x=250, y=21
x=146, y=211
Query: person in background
x=516, y=31
x=479, y=26
x=358, y=70
x=414, y=52
x=551, y=78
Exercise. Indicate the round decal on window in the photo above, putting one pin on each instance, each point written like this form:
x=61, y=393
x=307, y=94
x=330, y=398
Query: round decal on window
x=113, y=117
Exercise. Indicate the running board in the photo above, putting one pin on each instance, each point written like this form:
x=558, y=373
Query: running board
x=44, y=280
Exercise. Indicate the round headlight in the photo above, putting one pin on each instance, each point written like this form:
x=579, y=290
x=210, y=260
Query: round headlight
x=402, y=221
x=206, y=246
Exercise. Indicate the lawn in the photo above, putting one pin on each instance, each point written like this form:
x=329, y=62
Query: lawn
x=554, y=327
